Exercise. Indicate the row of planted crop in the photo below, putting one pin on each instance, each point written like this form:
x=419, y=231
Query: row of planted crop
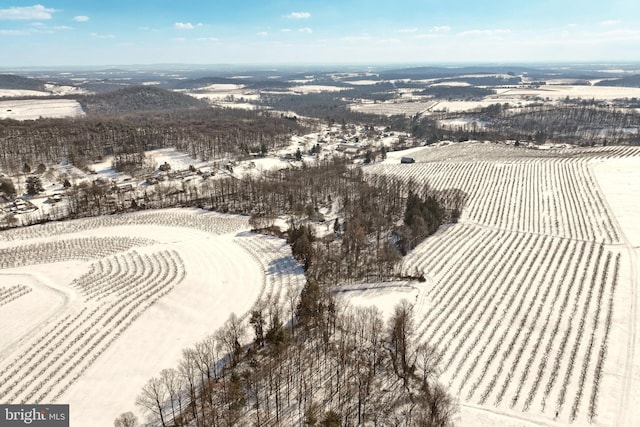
x=567, y=282
x=449, y=284
x=86, y=248
x=544, y=279
x=489, y=281
x=604, y=345
x=542, y=196
x=491, y=321
x=108, y=318
x=116, y=329
x=564, y=255
x=492, y=314
x=517, y=321
x=209, y=222
x=12, y=293
x=463, y=312
x=61, y=357
x=281, y=270
x=597, y=283
x=570, y=359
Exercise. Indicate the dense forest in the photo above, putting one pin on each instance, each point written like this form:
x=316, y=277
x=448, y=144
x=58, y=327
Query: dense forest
x=205, y=133
x=137, y=99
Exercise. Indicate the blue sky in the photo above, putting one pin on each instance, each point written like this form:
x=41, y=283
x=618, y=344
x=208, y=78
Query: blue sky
x=112, y=32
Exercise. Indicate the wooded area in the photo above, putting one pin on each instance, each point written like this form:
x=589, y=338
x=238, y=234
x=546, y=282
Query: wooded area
x=203, y=133
x=337, y=366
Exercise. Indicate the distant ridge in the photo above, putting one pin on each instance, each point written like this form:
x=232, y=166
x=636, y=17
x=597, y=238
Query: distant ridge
x=136, y=99
x=12, y=81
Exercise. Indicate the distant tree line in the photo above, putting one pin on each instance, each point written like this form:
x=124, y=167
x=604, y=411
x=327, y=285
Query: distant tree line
x=457, y=92
x=203, y=133
x=574, y=122
x=136, y=99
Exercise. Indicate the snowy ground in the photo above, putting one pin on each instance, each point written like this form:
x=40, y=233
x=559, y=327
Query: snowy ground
x=618, y=179
x=504, y=240
x=32, y=109
x=221, y=269
x=410, y=105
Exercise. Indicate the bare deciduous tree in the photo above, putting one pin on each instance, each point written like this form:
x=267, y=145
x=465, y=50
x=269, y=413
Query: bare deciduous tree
x=126, y=419
x=152, y=399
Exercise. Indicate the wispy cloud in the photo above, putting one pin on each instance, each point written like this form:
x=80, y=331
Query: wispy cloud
x=299, y=15
x=305, y=30
x=102, y=36
x=80, y=18
x=186, y=25
x=428, y=36
x=408, y=30
x=37, y=12
x=262, y=34
x=440, y=29
x=14, y=33
x=357, y=39
x=610, y=23
x=208, y=39
x=286, y=30
x=434, y=32
x=484, y=33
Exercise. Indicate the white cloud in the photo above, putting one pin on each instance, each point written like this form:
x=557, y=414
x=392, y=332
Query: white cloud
x=357, y=39
x=496, y=32
x=428, y=36
x=102, y=36
x=186, y=25
x=208, y=39
x=408, y=30
x=305, y=30
x=38, y=12
x=286, y=30
x=13, y=33
x=609, y=22
x=299, y=15
x=441, y=29
x=81, y=18
x=262, y=34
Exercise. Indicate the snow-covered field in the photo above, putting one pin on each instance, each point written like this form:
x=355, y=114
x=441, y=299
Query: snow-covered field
x=532, y=296
x=410, y=105
x=558, y=92
x=32, y=109
x=91, y=309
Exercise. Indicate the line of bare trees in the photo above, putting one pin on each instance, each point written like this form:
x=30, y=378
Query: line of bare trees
x=337, y=366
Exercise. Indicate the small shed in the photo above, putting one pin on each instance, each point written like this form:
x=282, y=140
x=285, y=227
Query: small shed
x=407, y=160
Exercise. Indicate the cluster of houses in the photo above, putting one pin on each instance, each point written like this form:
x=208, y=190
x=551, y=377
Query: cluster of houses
x=19, y=206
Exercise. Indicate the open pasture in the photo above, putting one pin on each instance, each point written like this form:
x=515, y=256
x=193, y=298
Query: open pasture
x=531, y=297
x=97, y=306
x=33, y=109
